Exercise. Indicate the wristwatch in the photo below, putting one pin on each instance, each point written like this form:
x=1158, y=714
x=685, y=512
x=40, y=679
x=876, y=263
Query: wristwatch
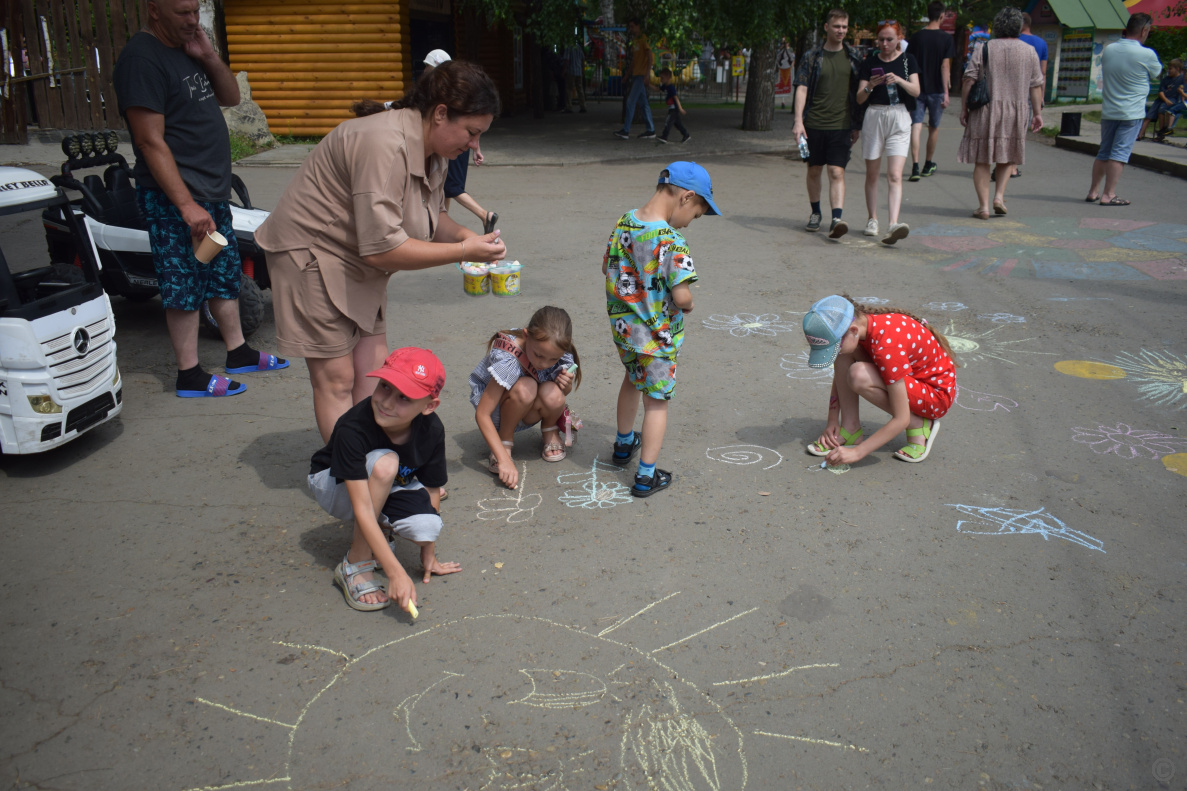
x=869, y=89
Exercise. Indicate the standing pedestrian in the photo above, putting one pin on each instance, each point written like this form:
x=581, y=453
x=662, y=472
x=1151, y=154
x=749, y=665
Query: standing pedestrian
x=1126, y=69
x=934, y=50
x=642, y=61
x=574, y=76
x=828, y=117
x=1040, y=47
x=675, y=109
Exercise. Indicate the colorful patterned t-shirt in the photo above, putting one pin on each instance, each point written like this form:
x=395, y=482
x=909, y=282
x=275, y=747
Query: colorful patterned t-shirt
x=644, y=262
x=902, y=347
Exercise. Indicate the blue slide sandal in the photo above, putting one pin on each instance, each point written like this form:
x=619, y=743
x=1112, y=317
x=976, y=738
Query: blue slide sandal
x=219, y=387
x=268, y=362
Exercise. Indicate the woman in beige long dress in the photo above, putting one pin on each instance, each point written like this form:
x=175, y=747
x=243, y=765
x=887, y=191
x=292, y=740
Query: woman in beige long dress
x=996, y=133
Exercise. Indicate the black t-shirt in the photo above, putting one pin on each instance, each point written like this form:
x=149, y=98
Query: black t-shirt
x=904, y=66
x=356, y=434
x=931, y=48
x=669, y=94
x=165, y=80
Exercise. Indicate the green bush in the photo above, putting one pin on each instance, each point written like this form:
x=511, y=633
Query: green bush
x=241, y=146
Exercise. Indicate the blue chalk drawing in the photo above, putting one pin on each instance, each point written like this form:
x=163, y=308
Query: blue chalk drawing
x=982, y=402
x=1002, y=318
x=1012, y=521
x=796, y=364
x=593, y=493
x=951, y=307
x=1128, y=442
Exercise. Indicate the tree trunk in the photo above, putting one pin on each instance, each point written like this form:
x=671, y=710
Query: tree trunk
x=759, y=110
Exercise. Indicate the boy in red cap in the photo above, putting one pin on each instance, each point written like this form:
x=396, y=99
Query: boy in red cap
x=383, y=468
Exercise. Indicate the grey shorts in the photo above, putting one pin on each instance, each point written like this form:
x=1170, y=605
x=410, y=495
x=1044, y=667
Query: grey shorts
x=412, y=520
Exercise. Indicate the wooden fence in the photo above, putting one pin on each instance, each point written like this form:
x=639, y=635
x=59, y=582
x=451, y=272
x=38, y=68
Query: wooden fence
x=57, y=63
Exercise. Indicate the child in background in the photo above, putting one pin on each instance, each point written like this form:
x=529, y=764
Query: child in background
x=648, y=271
x=522, y=381
x=383, y=453
x=675, y=109
x=892, y=359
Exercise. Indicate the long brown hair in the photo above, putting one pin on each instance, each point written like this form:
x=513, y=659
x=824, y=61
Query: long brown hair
x=867, y=310
x=463, y=87
x=552, y=325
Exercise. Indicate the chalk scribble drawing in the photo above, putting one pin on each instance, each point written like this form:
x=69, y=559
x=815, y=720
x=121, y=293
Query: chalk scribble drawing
x=1128, y=442
x=1162, y=375
x=1002, y=318
x=982, y=402
x=663, y=740
x=513, y=506
x=745, y=454
x=1016, y=521
x=950, y=307
x=796, y=365
x=562, y=689
x=973, y=347
x=596, y=488
x=871, y=301
x=743, y=324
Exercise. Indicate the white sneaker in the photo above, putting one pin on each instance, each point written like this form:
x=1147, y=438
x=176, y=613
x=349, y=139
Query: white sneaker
x=872, y=228
x=897, y=231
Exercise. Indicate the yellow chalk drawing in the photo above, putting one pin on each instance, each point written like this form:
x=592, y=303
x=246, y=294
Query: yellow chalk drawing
x=701, y=632
x=1176, y=463
x=1023, y=238
x=244, y=713
x=404, y=710
x=617, y=624
x=1085, y=369
x=244, y=784
x=1108, y=254
x=573, y=689
x=771, y=676
x=666, y=742
x=972, y=347
x=825, y=742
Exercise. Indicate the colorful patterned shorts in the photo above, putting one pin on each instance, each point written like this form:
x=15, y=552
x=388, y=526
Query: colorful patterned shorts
x=652, y=376
x=186, y=282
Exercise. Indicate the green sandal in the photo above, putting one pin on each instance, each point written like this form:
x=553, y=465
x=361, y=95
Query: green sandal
x=816, y=449
x=917, y=451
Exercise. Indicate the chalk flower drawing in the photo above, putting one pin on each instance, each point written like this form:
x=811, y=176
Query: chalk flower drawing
x=512, y=507
x=1003, y=318
x=594, y=493
x=1010, y=521
x=744, y=324
x=796, y=365
x=1127, y=442
x=951, y=307
x=972, y=347
x=745, y=454
x=1163, y=375
x=871, y=301
x=982, y=402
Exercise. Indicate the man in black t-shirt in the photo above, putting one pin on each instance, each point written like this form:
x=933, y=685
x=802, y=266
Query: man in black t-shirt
x=383, y=469
x=934, y=50
x=170, y=83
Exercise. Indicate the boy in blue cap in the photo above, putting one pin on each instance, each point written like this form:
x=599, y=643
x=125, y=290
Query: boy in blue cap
x=648, y=271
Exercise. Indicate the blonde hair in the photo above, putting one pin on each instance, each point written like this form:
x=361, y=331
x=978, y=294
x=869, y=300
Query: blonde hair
x=867, y=310
x=552, y=325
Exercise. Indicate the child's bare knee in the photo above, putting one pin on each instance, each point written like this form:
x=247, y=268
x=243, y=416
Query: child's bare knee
x=386, y=467
x=524, y=390
x=861, y=376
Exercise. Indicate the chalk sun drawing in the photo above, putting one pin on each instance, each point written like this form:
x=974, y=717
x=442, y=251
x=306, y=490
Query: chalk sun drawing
x=951, y=307
x=743, y=324
x=594, y=492
x=973, y=347
x=982, y=402
x=1128, y=442
x=745, y=454
x=1002, y=318
x=1010, y=521
x=796, y=365
x=1162, y=374
x=512, y=507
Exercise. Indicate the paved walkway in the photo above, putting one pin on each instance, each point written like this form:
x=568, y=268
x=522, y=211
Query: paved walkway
x=1169, y=157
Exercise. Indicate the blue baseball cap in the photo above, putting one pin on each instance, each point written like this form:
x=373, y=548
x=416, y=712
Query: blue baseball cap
x=824, y=327
x=691, y=176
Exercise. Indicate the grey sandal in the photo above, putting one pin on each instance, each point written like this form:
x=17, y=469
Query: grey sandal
x=346, y=572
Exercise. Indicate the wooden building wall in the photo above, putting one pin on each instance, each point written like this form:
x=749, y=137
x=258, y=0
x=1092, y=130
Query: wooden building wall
x=307, y=60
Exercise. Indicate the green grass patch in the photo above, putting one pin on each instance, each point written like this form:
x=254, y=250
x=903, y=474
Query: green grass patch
x=241, y=146
x=293, y=140
x=1049, y=131
x=1092, y=116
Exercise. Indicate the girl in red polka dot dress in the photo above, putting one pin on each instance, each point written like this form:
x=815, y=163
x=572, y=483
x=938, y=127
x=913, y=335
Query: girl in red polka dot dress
x=892, y=359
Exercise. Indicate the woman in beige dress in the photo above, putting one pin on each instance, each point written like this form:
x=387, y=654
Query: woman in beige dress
x=996, y=133
x=368, y=201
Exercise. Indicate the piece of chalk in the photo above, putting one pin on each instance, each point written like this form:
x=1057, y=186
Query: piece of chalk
x=412, y=610
x=823, y=464
x=572, y=369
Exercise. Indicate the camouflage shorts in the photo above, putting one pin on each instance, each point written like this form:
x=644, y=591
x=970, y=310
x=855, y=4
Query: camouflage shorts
x=652, y=376
x=186, y=282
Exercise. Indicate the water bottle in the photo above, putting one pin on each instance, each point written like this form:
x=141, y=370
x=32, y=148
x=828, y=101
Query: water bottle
x=803, y=148
x=891, y=93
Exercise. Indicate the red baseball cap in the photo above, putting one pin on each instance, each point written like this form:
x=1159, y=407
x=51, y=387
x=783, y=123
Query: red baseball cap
x=414, y=372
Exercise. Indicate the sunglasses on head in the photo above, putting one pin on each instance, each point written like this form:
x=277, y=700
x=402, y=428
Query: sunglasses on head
x=888, y=22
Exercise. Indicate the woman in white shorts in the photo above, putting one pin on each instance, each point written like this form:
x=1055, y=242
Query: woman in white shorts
x=889, y=82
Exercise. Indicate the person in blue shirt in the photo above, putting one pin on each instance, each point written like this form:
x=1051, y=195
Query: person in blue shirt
x=1040, y=48
x=675, y=108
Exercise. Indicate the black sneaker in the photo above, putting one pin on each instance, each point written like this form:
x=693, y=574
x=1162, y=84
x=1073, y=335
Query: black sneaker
x=686, y=138
x=929, y=169
x=647, y=135
x=622, y=135
x=663, y=140
x=623, y=454
x=838, y=228
x=645, y=487
x=814, y=222
x=914, y=172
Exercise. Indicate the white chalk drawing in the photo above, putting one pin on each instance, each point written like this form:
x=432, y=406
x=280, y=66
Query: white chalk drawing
x=1002, y=318
x=1078, y=299
x=675, y=643
x=1128, y=442
x=772, y=676
x=1011, y=521
x=403, y=712
x=1163, y=375
x=826, y=742
x=974, y=347
x=512, y=505
x=951, y=307
x=663, y=740
x=982, y=402
x=743, y=324
x=562, y=689
x=594, y=492
x=796, y=365
x=871, y=301
x=745, y=454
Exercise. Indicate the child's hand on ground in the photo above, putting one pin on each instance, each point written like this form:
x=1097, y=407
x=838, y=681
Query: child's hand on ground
x=847, y=454
x=831, y=438
x=401, y=589
x=435, y=566
x=508, y=474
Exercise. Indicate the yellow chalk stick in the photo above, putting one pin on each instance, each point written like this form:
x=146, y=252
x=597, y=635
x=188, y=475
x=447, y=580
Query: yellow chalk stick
x=412, y=610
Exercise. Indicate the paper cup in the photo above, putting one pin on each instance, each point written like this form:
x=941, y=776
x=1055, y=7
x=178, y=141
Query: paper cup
x=504, y=279
x=210, y=246
x=475, y=279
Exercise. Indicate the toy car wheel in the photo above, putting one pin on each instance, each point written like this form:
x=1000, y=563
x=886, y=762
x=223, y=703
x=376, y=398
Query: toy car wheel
x=251, y=310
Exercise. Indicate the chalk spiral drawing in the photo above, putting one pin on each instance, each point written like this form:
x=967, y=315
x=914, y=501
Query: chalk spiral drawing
x=594, y=493
x=1010, y=521
x=871, y=301
x=743, y=324
x=1162, y=375
x=1002, y=318
x=745, y=454
x=513, y=506
x=982, y=402
x=951, y=307
x=977, y=347
x=796, y=365
x=1128, y=442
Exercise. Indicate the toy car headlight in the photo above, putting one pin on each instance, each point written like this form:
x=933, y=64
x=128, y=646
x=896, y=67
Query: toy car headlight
x=100, y=142
x=113, y=142
x=87, y=144
x=44, y=405
x=71, y=147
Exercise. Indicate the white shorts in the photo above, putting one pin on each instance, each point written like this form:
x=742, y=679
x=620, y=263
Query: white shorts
x=419, y=524
x=886, y=130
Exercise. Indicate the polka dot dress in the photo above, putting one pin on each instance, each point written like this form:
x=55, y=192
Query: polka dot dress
x=903, y=349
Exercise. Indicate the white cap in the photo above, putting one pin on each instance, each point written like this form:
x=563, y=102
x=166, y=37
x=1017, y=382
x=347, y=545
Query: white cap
x=436, y=58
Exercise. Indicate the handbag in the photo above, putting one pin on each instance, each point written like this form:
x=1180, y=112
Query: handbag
x=979, y=95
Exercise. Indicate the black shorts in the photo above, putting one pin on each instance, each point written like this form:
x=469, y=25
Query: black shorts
x=828, y=147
